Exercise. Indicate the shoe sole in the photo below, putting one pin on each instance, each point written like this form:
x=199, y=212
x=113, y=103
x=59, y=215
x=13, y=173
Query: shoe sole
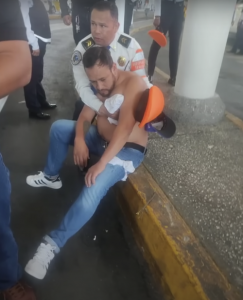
x=57, y=187
x=35, y=275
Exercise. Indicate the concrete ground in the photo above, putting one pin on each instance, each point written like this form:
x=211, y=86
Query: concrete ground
x=99, y=262
x=230, y=84
x=201, y=170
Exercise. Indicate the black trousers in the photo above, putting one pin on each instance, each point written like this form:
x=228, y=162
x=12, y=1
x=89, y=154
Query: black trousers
x=81, y=24
x=171, y=20
x=129, y=6
x=34, y=92
x=238, y=44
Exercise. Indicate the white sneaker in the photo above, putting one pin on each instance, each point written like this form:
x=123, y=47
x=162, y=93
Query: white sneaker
x=40, y=180
x=37, y=267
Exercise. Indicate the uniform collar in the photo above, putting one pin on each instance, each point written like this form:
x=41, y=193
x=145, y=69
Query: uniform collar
x=113, y=44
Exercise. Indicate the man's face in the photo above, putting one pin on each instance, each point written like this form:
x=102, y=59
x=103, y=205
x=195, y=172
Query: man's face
x=103, y=27
x=102, y=78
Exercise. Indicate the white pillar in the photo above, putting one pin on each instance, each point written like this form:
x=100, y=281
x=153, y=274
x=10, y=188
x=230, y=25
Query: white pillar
x=203, y=44
x=121, y=11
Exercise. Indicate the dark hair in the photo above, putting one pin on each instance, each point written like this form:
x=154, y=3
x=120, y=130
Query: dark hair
x=97, y=55
x=107, y=5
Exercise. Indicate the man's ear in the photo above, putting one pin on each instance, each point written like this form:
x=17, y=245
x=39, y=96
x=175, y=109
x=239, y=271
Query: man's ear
x=114, y=69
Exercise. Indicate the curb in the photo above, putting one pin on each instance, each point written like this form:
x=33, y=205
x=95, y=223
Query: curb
x=178, y=262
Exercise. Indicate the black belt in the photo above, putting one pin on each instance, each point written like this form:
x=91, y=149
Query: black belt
x=132, y=146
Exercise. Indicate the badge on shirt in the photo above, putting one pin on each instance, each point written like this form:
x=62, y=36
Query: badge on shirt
x=124, y=40
x=121, y=61
x=88, y=43
x=76, y=57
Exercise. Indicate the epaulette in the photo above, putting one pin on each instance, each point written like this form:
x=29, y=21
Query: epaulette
x=88, y=43
x=124, y=40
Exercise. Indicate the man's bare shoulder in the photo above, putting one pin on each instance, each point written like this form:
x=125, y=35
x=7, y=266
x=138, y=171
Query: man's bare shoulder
x=133, y=80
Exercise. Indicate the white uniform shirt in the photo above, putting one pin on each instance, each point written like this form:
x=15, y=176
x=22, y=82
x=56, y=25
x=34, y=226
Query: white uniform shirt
x=32, y=39
x=125, y=52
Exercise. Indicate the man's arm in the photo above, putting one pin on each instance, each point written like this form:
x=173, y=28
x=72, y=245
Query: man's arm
x=81, y=152
x=157, y=8
x=15, y=59
x=138, y=64
x=33, y=41
x=82, y=82
x=64, y=7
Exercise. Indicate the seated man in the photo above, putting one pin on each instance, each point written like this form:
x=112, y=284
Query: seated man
x=121, y=149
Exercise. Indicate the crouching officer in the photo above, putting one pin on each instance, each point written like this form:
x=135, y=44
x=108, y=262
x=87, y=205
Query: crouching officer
x=125, y=52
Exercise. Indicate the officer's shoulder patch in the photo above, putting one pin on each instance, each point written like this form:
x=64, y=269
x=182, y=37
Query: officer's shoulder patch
x=124, y=40
x=76, y=57
x=88, y=43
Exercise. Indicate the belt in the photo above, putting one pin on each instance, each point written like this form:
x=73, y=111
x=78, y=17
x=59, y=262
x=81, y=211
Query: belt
x=132, y=146
x=174, y=1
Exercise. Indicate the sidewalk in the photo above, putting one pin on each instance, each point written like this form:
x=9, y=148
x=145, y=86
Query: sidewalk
x=198, y=174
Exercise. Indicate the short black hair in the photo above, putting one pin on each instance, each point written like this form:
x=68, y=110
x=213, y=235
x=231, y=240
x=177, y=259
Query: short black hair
x=97, y=55
x=107, y=5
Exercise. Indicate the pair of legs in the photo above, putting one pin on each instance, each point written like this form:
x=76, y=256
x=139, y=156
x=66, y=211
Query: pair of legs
x=62, y=135
x=172, y=18
x=10, y=270
x=238, y=44
x=35, y=96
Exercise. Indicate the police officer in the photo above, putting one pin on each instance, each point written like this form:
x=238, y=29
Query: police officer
x=169, y=17
x=125, y=51
x=80, y=17
x=15, y=71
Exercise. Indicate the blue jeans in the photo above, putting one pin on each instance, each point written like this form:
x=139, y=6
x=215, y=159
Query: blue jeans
x=10, y=271
x=62, y=135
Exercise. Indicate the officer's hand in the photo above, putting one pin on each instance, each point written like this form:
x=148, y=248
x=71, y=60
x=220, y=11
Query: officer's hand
x=80, y=153
x=36, y=52
x=67, y=20
x=156, y=21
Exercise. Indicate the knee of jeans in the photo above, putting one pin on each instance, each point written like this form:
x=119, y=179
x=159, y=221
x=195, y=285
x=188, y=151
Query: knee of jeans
x=57, y=128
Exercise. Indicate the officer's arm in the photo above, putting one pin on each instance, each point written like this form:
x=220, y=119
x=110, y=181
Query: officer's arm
x=126, y=120
x=157, y=8
x=82, y=83
x=64, y=7
x=138, y=63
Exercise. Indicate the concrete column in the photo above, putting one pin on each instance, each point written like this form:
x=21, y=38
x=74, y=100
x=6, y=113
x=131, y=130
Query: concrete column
x=203, y=45
x=121, y=11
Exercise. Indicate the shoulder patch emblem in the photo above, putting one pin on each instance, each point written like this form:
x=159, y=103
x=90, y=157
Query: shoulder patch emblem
x=88, y=43
x=124, y=40
x=76, y=57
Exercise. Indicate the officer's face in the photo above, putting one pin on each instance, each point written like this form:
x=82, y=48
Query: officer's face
x=103, y=79
x=103, y=27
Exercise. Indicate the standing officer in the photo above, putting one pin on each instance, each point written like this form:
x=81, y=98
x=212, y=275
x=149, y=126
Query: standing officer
x=169, y=16
x=15, y=71
x=80, y=17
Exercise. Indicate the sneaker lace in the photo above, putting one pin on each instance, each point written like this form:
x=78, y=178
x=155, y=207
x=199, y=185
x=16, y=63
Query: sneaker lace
x=16, y=292
x=45, y=254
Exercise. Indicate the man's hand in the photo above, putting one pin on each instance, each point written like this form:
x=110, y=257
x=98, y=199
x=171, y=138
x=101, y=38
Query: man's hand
x=67, y=20
x=156, y=21
x=93, y=172
x=36, y=52
x=80, y=153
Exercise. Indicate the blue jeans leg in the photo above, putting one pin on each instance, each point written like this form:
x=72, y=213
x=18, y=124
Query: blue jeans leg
x=86, y=204
x=62, y=135
x=10, y=271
